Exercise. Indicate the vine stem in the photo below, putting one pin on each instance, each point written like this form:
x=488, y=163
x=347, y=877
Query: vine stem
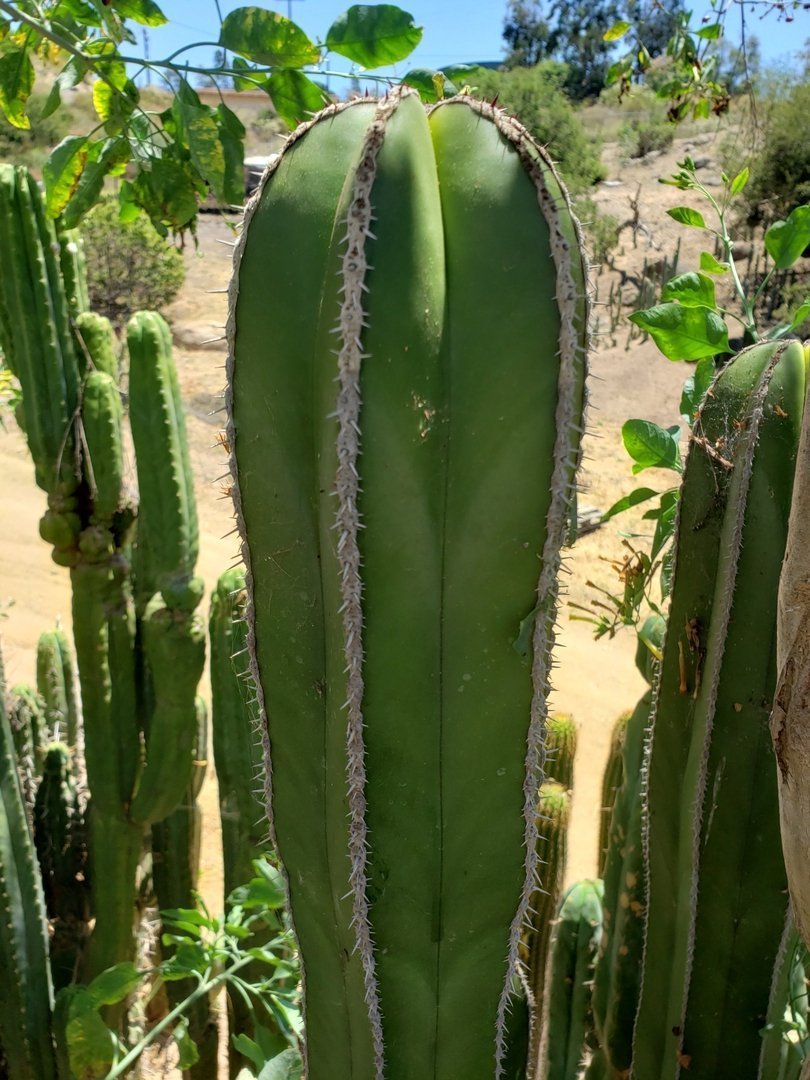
x=205, y=987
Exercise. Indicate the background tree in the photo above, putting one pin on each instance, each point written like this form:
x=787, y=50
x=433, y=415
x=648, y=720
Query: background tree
x=526, y=33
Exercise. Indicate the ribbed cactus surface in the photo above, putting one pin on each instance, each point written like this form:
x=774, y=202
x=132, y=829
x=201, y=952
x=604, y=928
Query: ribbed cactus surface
x=406, y=388
x=26, y=997
x=717, y=894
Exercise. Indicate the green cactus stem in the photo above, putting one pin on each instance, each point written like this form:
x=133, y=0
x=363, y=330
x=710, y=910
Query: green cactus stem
x=789, y=722
x=612, y=778
x=618, y=965
x=176, y=843
x=26, y=997
x=96, y=344
x=782, y=1057
x=573, y=952
x=402, y=532
x=56, y=685
x=102, y=414
x=717, y=893
x=561, y=748
x=237, y=741
x=37, y=340
x=74, y=270
x=168, y=531
x=174, y=646
x=553, y=815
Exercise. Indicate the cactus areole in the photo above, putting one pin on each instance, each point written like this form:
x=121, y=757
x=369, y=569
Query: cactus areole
x=406, y=385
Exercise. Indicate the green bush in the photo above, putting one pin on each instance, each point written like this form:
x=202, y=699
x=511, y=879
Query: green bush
x=601, y=230
x=31, y=146
x=780, y=170
x=535, y=96
x=130, y=267
x=641, y=136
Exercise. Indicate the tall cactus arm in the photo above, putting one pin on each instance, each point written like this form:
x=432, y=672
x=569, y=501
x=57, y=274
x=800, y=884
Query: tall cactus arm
x=235, y=735
x=36, y=331
x=56, y=684
x=168, y=511
x=790, y=722
x=174, y=645
x=102, y=414
x=25, y=986
x=395, y=542
x=716, y=879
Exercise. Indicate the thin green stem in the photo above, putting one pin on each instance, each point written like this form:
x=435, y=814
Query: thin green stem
x=207, y=984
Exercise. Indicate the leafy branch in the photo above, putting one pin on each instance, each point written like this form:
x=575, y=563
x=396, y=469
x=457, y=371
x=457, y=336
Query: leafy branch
x=213, y=952
x=179, y=156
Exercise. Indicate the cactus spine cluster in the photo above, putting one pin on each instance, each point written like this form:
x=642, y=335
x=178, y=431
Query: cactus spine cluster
x=438, y=276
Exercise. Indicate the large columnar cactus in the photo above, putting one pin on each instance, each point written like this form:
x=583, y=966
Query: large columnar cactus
x=717, y=895
x=26, y=996
x=139, y=663
x=402, y=533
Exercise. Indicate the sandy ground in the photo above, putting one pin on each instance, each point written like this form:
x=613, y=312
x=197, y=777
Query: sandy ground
x=594, y=681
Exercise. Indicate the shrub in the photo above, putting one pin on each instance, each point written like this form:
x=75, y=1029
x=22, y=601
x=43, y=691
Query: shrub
x=780, y=170
x=130, y=267
x=31, y=146
x=642, y=136
x=601, y=230
x=535, y=96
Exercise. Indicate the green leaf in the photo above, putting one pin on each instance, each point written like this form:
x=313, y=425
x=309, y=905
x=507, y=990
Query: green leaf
x=739, y=181
x=710, y=33
x=618, y=70
x=695, y=387
x=460, y=73
x=103, y=157
x=295, y=96
x=71, y=75
x=187, y=1052
x=267, y=38
x=617, y=31
x=640, y=495
x=432, y=85
x=167, y=193
x=651, y=446
x=800, y=315
x=241, y=84
x=683, y=333
x=374, y=34
x=114, y=106
x=114, y=984
x=786, y=240
x=145, y=12
x=232, y=137
x=62, y=171
x=16, y=84
x=91, y=1045
x=665, y=526
x=286, y=1066
x=702, y=109
x=691, y=290
x=687, y=216
x=712, y=265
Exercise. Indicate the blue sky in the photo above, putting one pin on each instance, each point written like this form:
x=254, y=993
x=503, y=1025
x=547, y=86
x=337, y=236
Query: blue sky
x=455, y=31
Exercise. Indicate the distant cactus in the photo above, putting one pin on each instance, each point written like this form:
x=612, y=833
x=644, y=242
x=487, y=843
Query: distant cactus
x=561, y=748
